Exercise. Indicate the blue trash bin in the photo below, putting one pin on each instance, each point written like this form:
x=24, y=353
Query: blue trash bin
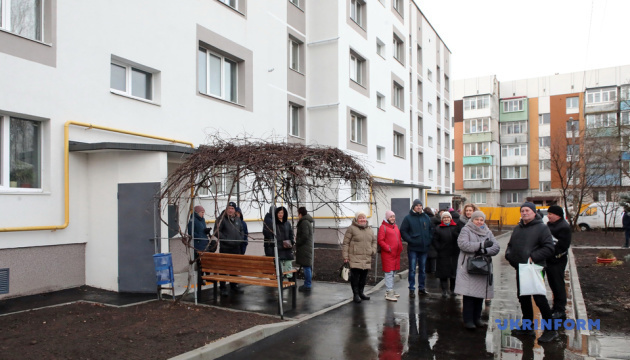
x=163, y=268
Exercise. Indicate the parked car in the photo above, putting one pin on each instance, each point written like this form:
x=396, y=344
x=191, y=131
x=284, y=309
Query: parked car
x=593, y=216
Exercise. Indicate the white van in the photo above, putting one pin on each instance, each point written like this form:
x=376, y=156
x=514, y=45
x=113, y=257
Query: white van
x=593, y=216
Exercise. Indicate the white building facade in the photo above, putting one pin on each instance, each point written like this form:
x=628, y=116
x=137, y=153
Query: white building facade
x=101, y=101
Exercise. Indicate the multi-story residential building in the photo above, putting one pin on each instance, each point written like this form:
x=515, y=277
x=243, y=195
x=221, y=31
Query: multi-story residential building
x=94, y=116
x=544, y=124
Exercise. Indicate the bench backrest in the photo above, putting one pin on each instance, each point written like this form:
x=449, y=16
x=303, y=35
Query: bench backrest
x=240, y=265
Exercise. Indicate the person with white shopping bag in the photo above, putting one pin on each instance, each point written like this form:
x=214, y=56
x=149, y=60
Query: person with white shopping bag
x=530, y=244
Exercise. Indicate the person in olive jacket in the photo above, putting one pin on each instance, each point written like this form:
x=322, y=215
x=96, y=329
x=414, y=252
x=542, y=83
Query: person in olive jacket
x=359, y=245
x=531, y=241
x=557, y=263
x=417, y=232
x=445, y=243
x=304, y=246
x=390, y=242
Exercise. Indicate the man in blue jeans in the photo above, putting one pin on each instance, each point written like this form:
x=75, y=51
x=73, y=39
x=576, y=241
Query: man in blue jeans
x=417, y=231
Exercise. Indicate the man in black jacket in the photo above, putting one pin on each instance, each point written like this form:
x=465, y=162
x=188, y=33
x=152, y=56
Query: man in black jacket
x=229, y=231
x=557, y=263
x=531, y=240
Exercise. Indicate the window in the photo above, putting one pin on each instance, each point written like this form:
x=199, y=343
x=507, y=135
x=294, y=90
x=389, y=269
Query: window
x=476, y=149
x=399, y=144
x=419, y=56
x=573, y=105
x=398, y=96
x=380, y=48
x=357, y=124
x=20, y=153
x=356, y=68
x=478, y=198
x=544, y=186
x=295, y=2
x=430, y=141
x=130, y=81
x=430, y=108
x=544, y=119
x=573, y=152
x=380, y=101
x=294, y=120
x=294, y=55
x=446, y=79
x=420, y=95
x=513, y=105
x=544, y=164
x=356, y=11
x=429, y=75
x=398, y=49
x=22, y=17
x=514, y=172
x=477, y=172
x=544, y=141
x=398, y=6
x=514, y=150
x=217, y=75
x=430, y=174
x=357, y=191
x=380, y=153
x=477, y=102
x=447, y=115
x=601, y=120
x=438, y=76
x=473, y=126
x=573, y=128
x=514, y=198
x=514, y=127
x=598, y=96
x=230, y=3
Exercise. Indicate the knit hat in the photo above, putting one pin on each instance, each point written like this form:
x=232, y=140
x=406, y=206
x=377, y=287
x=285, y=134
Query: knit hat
x=199, y=208
x=416, y=202
x=529, y=205
x=359, y=213
x=557, y=210
x=446, y=214
x=477, y=214
x=389, y=214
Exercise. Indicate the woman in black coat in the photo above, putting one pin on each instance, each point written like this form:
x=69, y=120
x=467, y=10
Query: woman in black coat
x=285, y=240
x=445, y=242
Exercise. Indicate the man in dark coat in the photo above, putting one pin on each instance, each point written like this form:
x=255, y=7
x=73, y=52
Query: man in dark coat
x=268, y=233
x=304, y=246
x=531, y=240
x=557, y=263
x=417, y=231
x=625, y=220
x=229, y=231
x=198, y=230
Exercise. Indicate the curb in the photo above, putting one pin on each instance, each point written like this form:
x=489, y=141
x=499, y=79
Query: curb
x=588, y=344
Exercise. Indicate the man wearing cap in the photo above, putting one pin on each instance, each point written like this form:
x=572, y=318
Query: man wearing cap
x=417, y=232
x=531, y=240
x=557, y=263
x=229, y=231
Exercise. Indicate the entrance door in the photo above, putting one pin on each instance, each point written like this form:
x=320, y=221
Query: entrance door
x=400, y=207
x=138, y=224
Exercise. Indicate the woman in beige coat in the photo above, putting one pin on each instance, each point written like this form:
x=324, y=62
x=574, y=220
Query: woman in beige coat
x=359, y=245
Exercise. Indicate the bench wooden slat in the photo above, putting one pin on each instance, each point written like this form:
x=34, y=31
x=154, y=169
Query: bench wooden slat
x=267, y=266
x=240, y=273
x=246, y=280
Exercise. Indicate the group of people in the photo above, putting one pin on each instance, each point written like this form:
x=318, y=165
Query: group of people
x=232, y=234
x=455, y=243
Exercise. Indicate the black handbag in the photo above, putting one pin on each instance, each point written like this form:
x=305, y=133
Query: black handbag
x=479, y=265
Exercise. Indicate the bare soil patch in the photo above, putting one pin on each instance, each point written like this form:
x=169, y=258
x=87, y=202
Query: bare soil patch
x=154, y=330
x=605, y=288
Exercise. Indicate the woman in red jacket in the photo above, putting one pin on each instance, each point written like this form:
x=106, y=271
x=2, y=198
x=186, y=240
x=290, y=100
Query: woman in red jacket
x=390, y=243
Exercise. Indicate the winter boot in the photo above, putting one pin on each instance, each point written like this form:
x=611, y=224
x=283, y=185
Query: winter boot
x=389, y=295
x=361, y=294
x=444, y=286
x=356, y=298
x=453, y=287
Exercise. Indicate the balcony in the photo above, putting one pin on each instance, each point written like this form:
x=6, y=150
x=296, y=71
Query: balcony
x=478, y=184
x=477, y=160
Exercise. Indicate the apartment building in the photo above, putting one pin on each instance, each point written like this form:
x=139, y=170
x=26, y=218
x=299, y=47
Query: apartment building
x=101, y=101
x=544, y=124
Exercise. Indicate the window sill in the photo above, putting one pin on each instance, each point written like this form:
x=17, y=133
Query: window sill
x=381, y=55
x=380, y=108
x=380, y=161
x=219, y=99
x=361, y=85
x=297, y=71
x=22, y=191
x=125, y=95
x=398, y=156
x=231, y=8
x=359, y=25
x=26, y=38
x=396, y=107
x=302, y=10
x=358, y=143
x=297, y=137
x=400, y=62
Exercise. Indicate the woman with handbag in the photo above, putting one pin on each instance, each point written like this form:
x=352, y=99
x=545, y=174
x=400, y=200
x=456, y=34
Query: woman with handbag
x=359, y=245
x=390, y=242
x=474, y=268
x=445, y=243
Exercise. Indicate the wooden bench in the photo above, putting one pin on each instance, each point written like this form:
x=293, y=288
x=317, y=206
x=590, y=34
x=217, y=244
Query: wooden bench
x=496, y=223
x=243, y=269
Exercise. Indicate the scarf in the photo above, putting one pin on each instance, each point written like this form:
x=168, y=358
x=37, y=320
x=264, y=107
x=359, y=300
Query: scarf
x=477, y=230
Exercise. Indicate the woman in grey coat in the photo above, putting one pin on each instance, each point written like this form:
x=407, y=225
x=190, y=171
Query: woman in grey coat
x=475, y=238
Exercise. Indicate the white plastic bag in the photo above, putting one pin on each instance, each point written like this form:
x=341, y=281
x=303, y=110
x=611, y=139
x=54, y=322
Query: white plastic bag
x=531, y=280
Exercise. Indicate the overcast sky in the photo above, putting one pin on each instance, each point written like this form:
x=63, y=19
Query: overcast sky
x=522, y=39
